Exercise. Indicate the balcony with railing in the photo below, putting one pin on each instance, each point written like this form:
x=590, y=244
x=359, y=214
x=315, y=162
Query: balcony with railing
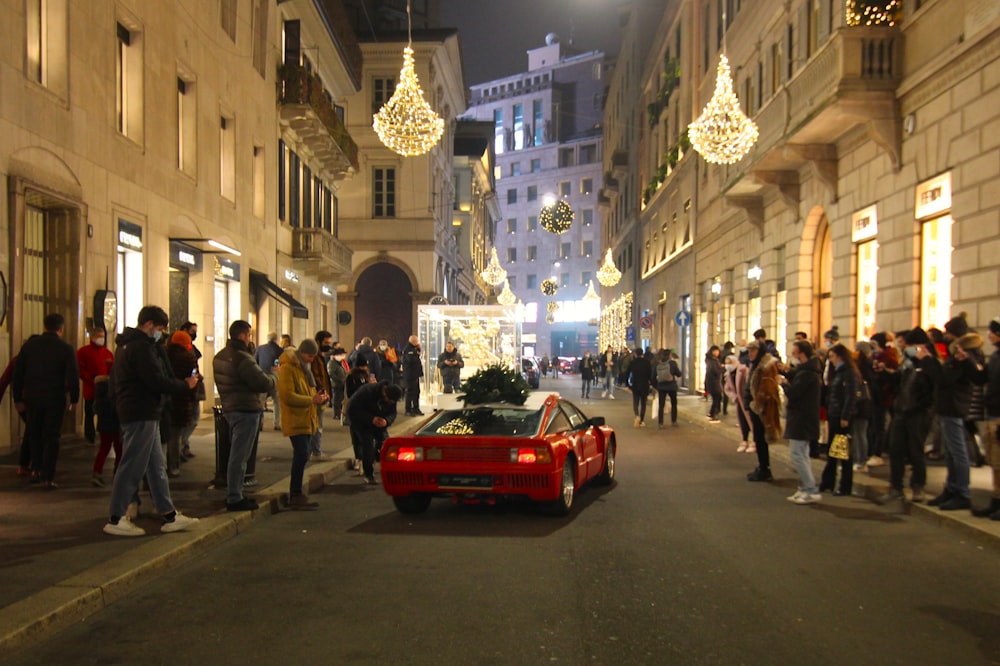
x=306, y=110
x=317, y=253
x=850, y=82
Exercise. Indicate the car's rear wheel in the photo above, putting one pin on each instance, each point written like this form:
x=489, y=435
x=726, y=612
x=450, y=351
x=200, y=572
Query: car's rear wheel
x=608, y=473
x=567, y=490
x=413, y=503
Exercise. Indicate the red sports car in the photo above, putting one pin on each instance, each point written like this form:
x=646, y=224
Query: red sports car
x=543, y=450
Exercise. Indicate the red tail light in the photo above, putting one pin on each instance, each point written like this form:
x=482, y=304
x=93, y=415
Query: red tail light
x=527, y=456
x=406, y=454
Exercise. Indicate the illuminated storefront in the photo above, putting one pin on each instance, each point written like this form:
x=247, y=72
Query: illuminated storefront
x=864, y=230
x=227, y=298
x=130, y=273
x=933, y=210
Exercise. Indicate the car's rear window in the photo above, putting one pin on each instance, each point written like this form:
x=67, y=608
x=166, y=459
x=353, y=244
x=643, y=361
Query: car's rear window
x=484, y=421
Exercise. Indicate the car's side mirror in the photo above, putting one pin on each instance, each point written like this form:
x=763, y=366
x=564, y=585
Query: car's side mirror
x=596, y=420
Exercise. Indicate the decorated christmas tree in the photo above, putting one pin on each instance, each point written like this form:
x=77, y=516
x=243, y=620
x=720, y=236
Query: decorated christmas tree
x=493, y=384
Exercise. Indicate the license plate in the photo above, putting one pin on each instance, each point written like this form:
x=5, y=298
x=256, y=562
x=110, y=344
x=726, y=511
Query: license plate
x=465, y=481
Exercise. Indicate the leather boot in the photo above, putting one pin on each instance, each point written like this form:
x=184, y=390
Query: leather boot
x=989, y=510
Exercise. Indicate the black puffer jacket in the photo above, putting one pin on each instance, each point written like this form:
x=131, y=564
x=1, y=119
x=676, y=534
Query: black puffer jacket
x=805, y=383
x=713, y=375
x=239, y=378
x=366, y=403
x=140, y=380
x=955, y=379
x=842, y=394
x=915, y=388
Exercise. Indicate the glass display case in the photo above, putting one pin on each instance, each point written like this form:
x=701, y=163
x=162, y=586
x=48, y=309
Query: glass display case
x=483, y=334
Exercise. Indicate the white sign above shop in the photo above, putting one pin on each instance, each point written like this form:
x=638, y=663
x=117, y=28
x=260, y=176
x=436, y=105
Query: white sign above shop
x=864, y=225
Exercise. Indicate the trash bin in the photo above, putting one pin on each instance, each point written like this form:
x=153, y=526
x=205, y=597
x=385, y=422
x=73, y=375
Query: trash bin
x=223, y=445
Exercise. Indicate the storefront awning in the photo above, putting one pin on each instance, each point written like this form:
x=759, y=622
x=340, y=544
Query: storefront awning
x=261, y=282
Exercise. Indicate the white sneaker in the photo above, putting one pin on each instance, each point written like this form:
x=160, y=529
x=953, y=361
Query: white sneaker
x=795, y=498
x=859, y=467
x=124, y=527
x=751, y=448
x=642, y=424
x=179, y=523
x=808, y=498
x=875, y=461
x=604, y=394
x=741, y=448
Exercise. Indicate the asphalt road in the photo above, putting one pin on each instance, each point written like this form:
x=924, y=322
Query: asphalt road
x=681, y=561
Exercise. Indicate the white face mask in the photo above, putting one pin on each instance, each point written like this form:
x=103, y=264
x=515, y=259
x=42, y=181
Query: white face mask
x=99, y=342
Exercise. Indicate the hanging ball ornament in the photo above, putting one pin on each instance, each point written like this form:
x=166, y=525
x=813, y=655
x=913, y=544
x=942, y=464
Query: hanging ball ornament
x=556, y=218
x=549, y=287
x=550, y=319
x=552, y=306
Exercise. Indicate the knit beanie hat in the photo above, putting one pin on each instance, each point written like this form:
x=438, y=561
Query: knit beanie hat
x=308, y=346
x=832, y=334
x=880, y=339
x=957, y=326
x=181, y=338
x=917, y=336
x=863, y=347
x=995, y=326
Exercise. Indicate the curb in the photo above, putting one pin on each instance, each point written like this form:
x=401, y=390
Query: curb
x=32, y=620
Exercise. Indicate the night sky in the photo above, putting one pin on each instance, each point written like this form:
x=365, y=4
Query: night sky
x=495, y=34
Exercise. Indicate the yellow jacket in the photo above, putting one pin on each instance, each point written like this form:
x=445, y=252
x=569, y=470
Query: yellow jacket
x=298, y=412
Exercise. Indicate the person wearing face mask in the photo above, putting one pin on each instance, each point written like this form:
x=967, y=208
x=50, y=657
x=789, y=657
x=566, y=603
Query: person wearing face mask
x=735, y=383
x=802, y=385
x=912, y=411
x=94, y=359
x=191, y=329
x=324, y=343
x=241, y=384
x=841, y=409
x=388, y=361
x=140, y=382
x=413, y=370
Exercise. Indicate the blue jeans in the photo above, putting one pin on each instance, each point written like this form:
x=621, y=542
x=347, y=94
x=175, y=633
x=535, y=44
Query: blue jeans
x=956, y=455
x=799, y=451
x=316, y=439
x=243, y=428
x=300, y=456
x=142, y=455
x=609, y=383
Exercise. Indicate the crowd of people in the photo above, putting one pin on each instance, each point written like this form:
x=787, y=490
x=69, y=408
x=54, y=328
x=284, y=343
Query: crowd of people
x=900, y=397
x=143, y=401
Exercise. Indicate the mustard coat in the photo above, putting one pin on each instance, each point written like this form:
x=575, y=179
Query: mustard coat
x=298, y=412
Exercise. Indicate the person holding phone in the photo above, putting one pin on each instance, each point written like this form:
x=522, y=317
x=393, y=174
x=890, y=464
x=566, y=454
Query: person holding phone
x=241, y=384
x=182, y=407
x=300, y=400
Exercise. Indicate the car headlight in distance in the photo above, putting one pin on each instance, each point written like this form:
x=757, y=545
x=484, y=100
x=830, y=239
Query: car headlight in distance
x=405, y=454
x=530, y=456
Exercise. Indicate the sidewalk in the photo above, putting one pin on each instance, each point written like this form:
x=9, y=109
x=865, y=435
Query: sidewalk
x=869, y=484
x=59, y=567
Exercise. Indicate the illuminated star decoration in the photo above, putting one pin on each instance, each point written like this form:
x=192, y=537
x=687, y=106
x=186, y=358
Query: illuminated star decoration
x=723, y=134
x=406, y=123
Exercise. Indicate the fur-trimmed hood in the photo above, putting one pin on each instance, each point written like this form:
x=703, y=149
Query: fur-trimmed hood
x=968, y=342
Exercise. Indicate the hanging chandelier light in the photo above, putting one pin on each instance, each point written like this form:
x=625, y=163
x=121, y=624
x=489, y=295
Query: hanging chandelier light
x=723, y=134
x=591, y=295
x=406, y=123
x=494, y=273
x=506, y=296
x=608, y=274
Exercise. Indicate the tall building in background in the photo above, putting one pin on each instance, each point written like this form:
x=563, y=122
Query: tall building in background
x=547, y=138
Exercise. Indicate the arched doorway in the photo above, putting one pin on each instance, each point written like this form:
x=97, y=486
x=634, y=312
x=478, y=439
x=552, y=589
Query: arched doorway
x=383, y=307
x=822, y=280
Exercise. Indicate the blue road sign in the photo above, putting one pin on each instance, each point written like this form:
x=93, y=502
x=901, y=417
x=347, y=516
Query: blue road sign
x=630, y=334
x=683, y=318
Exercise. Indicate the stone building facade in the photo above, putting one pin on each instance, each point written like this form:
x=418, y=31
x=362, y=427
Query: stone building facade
x=867, y=201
